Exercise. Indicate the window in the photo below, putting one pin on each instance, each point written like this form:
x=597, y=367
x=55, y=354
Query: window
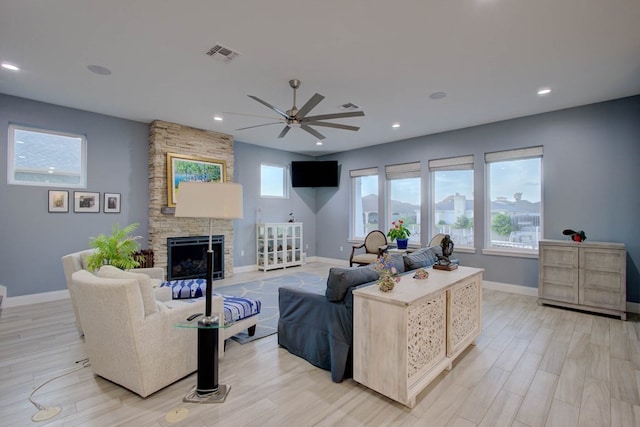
x=364, y=210
x=404, y=197
x=273, y=182
x=46, y=158
x=452, y=199
x=514, y=200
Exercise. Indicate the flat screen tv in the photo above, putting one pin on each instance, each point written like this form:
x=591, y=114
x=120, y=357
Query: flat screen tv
x=314, y=173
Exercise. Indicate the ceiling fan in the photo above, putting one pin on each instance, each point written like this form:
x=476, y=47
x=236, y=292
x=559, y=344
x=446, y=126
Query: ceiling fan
x=298, y=117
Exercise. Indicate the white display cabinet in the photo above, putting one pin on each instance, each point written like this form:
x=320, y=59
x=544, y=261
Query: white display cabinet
x=278, y=245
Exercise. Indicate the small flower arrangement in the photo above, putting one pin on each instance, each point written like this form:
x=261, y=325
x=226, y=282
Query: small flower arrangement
x=398, y=231
x=388, y=273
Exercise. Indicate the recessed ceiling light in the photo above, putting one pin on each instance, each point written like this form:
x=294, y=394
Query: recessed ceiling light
x=99, y=69
x=438, y=95
x=544, y=91
x=395, y=125
x=319, y=143
x=11, y=67
x=217, y=118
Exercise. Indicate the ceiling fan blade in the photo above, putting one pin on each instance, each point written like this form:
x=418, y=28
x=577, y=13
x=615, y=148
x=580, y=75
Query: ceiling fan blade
x=257, y=126
x=266, y=104
x=312, y=131
x=334, y=116
x=251, y=115
x=311, y=103
x=333, y=125
x=284, y=131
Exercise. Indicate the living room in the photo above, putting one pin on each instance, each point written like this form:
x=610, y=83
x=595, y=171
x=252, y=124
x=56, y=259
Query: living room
x=589, y=177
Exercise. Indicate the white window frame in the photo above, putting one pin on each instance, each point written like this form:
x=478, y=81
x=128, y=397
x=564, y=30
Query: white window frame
x=356, y=211
x=404, y=171
x=501, y=156
x=11, y=166
x=284, y=183
x=459, y=163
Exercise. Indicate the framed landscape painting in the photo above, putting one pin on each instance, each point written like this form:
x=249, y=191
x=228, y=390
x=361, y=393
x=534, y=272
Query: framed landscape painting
x=192, y=169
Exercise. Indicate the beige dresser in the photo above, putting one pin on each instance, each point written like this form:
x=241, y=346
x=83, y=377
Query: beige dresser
x=405, y=338
x=587, y=275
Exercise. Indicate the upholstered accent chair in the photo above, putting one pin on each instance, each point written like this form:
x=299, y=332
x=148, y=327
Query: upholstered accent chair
x=375, y=244
x=130, y=337
x=78, y=261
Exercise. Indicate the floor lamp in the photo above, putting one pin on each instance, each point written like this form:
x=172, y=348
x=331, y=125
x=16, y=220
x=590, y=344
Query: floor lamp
x=213, y=201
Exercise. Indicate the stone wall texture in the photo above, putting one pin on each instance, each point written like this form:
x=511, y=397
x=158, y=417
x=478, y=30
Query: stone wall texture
x=173, y=138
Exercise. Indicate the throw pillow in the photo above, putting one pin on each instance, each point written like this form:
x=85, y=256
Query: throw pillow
x=144, y=283
x=341, y=279
x=421, y=258
x=186, y=288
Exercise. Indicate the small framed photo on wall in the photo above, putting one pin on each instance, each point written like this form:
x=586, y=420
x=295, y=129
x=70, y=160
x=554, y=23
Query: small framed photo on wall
x=58, y=201
x=86, y=202
x=111, y=203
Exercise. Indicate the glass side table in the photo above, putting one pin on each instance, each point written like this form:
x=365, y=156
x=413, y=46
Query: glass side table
x=207, y=389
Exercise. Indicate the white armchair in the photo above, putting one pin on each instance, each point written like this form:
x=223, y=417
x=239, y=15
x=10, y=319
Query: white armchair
x=78, y=261
x=130, y=342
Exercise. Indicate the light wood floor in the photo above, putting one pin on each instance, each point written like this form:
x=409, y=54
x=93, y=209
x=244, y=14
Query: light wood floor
x=532, y=366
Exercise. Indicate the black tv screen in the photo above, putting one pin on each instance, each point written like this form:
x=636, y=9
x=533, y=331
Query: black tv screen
x=314, y=174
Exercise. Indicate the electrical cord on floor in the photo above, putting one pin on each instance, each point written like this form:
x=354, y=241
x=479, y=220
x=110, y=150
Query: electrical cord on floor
x=45, y=413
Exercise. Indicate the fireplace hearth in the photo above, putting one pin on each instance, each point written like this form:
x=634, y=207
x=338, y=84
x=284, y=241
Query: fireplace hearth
x=187, y=257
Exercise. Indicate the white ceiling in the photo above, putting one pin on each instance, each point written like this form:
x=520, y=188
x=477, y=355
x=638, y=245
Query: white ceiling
x=489, y=56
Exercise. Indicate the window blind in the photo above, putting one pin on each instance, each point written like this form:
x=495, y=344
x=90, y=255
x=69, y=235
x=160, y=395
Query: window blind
x=404, y=170
x=363, y=172
x=451, y=163
x=521, y=153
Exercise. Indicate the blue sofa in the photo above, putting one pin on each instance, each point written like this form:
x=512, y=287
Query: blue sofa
x=319, y=328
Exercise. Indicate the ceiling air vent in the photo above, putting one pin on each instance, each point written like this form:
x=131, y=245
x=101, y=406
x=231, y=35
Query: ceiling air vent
x=222, y=52
x=349, y=106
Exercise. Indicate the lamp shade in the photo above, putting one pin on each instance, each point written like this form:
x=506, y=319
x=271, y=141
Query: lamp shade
x=215, y=200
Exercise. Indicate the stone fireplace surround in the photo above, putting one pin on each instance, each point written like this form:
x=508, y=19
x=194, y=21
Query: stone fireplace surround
x=165, y=137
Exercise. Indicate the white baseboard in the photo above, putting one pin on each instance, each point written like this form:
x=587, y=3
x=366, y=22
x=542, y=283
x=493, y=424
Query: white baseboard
x=36, y=298
x=632, y=307
x=245, y=269
x=514, y=289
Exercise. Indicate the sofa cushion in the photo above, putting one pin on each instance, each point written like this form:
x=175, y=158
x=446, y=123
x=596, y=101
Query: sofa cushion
x=424, y=257
x=144, y=283
x=341, y=279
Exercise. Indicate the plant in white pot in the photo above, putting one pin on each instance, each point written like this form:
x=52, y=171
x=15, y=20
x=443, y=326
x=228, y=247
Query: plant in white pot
x=117, y=249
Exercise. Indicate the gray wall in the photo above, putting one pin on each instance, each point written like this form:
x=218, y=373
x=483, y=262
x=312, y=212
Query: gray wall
x=590, y=176
x=302, y=201
x=590, y=183
x=33, y=240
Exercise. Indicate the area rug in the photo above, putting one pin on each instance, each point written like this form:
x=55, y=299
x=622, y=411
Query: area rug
x=266, y=290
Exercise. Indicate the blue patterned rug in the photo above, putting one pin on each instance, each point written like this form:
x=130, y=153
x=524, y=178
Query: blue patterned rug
x=266, y=290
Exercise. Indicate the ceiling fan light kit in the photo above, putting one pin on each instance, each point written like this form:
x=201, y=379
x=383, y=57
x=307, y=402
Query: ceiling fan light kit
x=295, y=117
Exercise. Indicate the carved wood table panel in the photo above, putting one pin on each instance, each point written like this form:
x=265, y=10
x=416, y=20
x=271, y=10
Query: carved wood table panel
x=405, y=338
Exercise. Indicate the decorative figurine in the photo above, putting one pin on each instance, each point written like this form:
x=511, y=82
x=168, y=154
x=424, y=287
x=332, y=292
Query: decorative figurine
x=576, y=236
x=444, y=261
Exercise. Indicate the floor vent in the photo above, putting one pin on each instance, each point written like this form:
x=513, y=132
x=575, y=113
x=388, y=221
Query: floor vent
x=222, y=52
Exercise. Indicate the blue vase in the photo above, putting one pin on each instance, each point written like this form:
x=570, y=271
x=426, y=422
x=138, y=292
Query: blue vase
x=402, y=243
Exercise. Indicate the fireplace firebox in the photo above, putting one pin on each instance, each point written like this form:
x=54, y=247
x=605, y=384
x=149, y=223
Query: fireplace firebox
x=187, y=257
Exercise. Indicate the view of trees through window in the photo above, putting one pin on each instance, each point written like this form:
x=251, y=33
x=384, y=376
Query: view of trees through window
x=404, y=204
x=515, y=194
x=453, y=205
x=365, y=205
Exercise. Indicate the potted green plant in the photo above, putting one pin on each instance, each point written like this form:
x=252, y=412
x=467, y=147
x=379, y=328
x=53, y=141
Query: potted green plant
x=399, y=233
x=116, y=249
